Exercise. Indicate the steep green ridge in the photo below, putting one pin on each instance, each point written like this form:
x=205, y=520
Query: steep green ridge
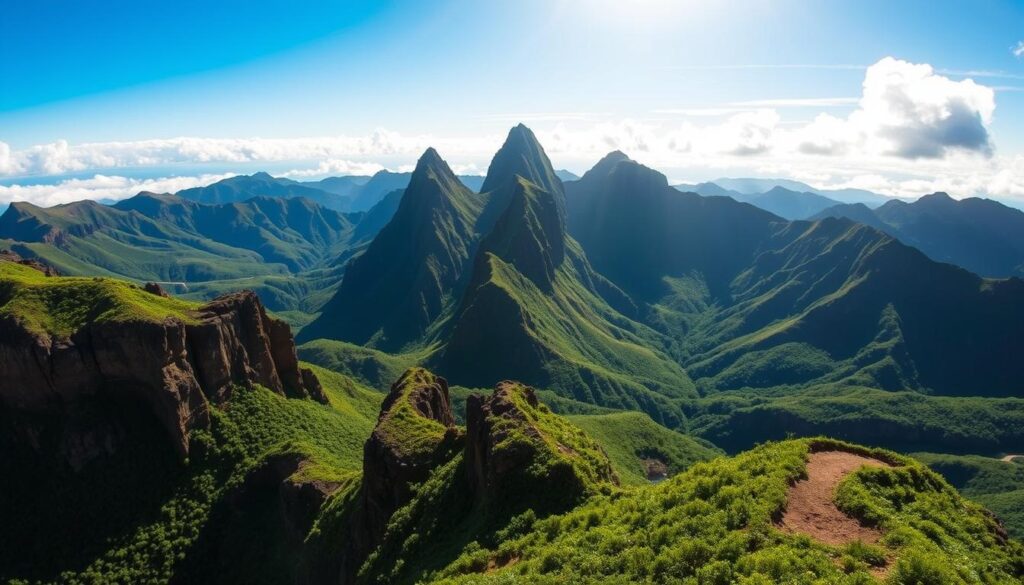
x=997, y=485
x=521, y=461
x=401, y=284
x=534, y=309
x=641, y=450
x=981, y=235
x=714, y=523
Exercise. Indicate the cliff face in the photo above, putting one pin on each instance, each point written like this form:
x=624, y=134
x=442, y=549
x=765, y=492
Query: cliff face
x=51, y=385
x=517, y=451
x=415, y=434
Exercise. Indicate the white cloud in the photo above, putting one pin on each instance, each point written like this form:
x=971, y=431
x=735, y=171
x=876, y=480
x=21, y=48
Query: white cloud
x=335, y=167
x=100, y=187
x=60, y=157
x=1018, y=51
x=907, y=111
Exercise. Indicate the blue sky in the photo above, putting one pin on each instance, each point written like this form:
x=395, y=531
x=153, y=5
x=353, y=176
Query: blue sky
x=334, y=86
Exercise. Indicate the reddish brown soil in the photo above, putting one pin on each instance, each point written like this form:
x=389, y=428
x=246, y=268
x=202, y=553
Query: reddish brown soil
x=809, y=506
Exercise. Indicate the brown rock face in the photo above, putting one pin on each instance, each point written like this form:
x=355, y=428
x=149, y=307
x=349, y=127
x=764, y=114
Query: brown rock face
x=391, y=465
x=171, y=368
x=10, y=256
x=155, y=289
x=485, y=467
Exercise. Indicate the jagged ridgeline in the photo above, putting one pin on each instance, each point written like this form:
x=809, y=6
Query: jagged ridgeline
x=489, y=286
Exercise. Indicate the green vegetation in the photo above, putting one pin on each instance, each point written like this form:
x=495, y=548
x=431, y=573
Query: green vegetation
x=906, y=421
x=997, y=485
x=640, y=449
x=403, y=428
x=370, y=366
x=60, y=306
x=290, y=250
x=144, y=518
x=714, y=524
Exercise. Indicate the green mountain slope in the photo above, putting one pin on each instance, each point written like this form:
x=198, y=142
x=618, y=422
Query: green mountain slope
x=754, y=302
x=281, y=247
x=394, y=291
x=534, y=308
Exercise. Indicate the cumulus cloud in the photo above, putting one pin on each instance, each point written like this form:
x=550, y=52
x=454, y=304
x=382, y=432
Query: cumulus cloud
x=909, y=111
x=99, y=187
x=1018, y=50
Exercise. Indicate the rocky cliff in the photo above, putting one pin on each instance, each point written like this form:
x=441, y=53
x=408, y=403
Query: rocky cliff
x=70, y=349
x=415, y=434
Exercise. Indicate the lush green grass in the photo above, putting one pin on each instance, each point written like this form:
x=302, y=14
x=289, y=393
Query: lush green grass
x=997, y=485
x=714, y=524
x=630, y=438
x=61, y=305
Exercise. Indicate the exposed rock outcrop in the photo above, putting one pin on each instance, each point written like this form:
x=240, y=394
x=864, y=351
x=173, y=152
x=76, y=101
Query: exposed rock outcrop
x=518, y=451
x=52, y=385
x=11, y=256
x=155, y=289
x=415, y=433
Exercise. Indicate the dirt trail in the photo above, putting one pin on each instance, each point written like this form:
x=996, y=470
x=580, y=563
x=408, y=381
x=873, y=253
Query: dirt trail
x=1010, y=458
x=809, y=506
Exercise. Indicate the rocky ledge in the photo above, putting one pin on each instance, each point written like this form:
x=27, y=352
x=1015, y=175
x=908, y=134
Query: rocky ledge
x=56, y=391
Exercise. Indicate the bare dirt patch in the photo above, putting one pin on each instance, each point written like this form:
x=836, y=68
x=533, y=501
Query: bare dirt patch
x=809, y=506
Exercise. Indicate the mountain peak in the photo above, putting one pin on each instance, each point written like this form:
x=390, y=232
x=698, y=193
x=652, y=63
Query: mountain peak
x=521, y=155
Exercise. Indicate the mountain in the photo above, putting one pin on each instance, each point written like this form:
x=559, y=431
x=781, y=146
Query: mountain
x=458, y=278
x=566, y=176
x=742, y=189
x=756, y=302
x=261, y=243
x=400, y=285
x=790, y=204
x=981, y=235
x=243, y=187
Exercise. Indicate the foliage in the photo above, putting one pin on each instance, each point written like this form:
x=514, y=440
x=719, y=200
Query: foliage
x=713, y=523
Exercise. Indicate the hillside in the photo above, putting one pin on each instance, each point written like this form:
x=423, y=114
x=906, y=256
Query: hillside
x=263, y=243
x=719, y=522
x=981, y=235
x=755, y=302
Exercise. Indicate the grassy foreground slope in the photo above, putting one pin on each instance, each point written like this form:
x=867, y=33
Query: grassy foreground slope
x=714, y=523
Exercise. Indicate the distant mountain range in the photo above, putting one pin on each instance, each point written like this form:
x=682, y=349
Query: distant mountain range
x=741, y=188
x=348, y=194
x=983, y=236
x=260, y=243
